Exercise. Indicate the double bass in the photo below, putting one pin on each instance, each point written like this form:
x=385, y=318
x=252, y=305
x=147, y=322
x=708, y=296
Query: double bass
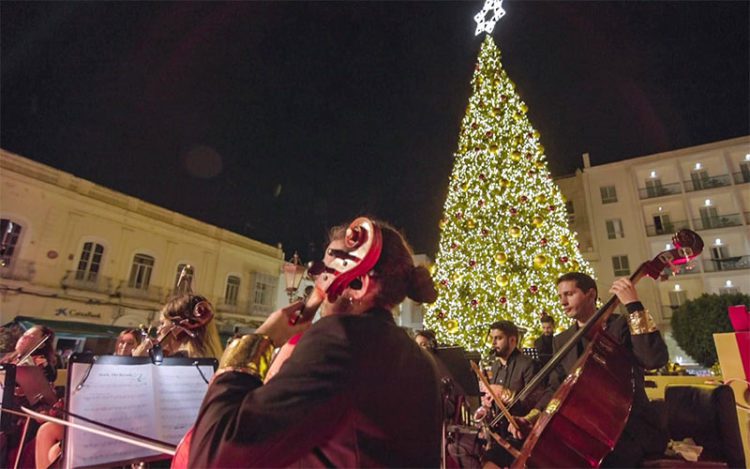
x=579, y=427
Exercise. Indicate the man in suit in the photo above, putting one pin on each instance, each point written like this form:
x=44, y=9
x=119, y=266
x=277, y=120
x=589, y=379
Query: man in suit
x=636, y=331
x=543, y=343
x=511, y=371
x=355, y=392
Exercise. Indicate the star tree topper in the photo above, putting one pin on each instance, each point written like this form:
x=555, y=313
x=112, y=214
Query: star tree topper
x=487, y=25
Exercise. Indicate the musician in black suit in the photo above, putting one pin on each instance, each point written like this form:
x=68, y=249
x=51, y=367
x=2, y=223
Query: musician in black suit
x=511, y=371
x=356, y=391
x=543, y=343
x=637, y=332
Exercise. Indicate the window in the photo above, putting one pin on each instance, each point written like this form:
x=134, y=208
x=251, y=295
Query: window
x=187, y=281
x=654, y=187
x=720, y=257
x=621, y=265
x=89, y=262
x=10, y=232
x=677, y=298
x=264, y=291
x=662, y=225
x=140, y=272
x=571, y=212
x=728, y=290
x=745, y=171
x=709, y=217
x=699, y=178
x=233, y=288
x=609, y=194
x=614, y=229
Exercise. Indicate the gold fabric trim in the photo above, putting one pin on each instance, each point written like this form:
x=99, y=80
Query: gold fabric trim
x=641, y=322
x=250, y=354
x=552, y=406
x=533, y=416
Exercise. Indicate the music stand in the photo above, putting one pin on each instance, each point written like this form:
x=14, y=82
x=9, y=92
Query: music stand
x=457, y=364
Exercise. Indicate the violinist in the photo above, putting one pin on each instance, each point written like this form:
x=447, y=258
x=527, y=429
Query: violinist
x=179, y=333
x=511, y=371
x=356, y=391
x=635, y=330
x=128, y=340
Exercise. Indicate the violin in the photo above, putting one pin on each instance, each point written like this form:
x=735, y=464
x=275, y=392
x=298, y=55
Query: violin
x=16, y=358
x=363, y=243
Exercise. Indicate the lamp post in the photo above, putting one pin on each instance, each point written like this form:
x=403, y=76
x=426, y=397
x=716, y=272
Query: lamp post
x=293, y=273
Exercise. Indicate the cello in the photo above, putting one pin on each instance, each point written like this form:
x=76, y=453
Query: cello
x=579, y=428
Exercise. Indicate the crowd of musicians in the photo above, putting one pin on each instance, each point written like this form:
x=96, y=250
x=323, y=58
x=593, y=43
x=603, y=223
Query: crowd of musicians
x=353, y=389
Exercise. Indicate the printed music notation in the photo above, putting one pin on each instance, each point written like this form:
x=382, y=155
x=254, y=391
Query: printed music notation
x=159, y=402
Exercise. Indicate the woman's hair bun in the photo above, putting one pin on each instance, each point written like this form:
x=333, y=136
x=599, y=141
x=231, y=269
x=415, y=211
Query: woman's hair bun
x=421, y=288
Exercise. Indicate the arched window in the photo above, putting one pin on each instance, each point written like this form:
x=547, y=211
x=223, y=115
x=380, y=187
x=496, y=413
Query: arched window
x=10, y=232
x=140, y=272
x=89, y=262
x=232, y=290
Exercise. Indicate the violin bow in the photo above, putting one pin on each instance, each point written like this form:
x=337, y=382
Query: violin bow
x=495, y=397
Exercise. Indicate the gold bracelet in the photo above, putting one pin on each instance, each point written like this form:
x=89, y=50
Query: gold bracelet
x=250, y=354
x=641, y=322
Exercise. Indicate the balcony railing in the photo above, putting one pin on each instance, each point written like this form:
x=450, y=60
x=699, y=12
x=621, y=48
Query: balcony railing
x=722, y=221
x=741, y=178
x=85, y=280
x=18, y=269
x=707, y=183
x=149, y=293
x=692, y=267
x=667, y=228
x=236, y=307
x=659, y=191
x=728, y=263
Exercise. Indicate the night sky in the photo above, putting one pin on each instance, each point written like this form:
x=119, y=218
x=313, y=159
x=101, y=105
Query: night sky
x=277, y=120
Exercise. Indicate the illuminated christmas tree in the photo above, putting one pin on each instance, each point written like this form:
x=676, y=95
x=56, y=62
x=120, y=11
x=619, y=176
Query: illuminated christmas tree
x=504, y=234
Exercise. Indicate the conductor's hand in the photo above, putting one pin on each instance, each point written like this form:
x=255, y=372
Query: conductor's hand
x=277, y=325
x=524, y=427
x=625, y=290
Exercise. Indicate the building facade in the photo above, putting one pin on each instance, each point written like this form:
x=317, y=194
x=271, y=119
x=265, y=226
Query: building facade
x=626, y=213
x=78, y=252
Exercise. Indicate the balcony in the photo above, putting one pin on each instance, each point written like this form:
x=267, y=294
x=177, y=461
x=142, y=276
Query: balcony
x=659, y=191
x=236, y=307
x=723, y=221
x=148, y=293
x=728, y=263
x=707, y=183
x=85, y=280
x=684, y=269
x=741, y=177
x=19, y=269
x=667, y=228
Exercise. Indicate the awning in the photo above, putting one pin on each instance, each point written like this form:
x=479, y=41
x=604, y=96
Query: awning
x=69, y=329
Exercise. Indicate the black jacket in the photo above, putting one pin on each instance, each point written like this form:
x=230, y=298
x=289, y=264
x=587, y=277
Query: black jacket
x=357, y=390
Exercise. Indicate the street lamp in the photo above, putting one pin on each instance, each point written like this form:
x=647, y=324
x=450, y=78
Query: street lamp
x=293, y=273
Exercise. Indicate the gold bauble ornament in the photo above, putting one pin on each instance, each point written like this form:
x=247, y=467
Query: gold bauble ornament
x=452, y=326
x=540, y=261
x=504, y=182
x=493, y=149
x=514, y=231
x=502, y=280
x=515, y=156
x=470, y=223
x=564, y=240
x=501, y=258
x=537, y=134
x=524, y=108
x=442, y=223
x=575, y=265
x=539, y=164
x=540, y=199
x=537, y=221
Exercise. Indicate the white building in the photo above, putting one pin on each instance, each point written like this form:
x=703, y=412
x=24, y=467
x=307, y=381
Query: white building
x=626, y=212
x=85, y=255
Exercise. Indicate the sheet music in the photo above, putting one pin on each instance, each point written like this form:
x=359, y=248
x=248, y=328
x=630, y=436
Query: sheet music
x=179, y=394
x=159, y=402
x=121, y=396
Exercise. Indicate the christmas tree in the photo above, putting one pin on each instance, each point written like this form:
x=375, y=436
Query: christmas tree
x=504, y=235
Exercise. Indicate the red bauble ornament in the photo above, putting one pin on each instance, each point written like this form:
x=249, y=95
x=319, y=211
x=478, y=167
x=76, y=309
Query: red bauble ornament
x=503, y=300
x=481, y=202
x=551, y=208
x=441, y=315
x=533, y=289
x=472, y=263
x=454, y=246
x=482, y=176
x=490, y=134
x=543, y=241
x=564, y=259
x=513, y=211
x=459, y=215
x=474, y=303
x=485, y=232
x=444, y=282
x=474, y=126
x=524, y=198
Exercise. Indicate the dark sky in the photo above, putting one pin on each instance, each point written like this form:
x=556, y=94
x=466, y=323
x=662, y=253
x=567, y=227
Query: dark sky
x=276, y=120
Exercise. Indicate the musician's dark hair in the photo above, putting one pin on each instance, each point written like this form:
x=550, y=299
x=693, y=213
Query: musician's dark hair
x=398, y=276
x=507, y=328
x=430, y=336
x=548, y=319
x=583, y=281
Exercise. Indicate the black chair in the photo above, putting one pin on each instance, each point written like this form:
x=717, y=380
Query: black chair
x=708, y=415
